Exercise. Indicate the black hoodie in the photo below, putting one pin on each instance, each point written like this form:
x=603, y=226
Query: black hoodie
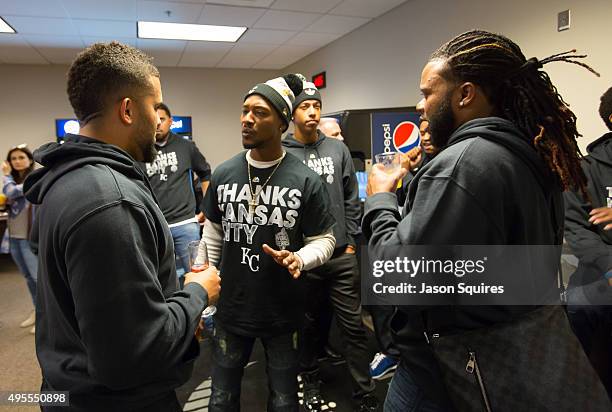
x=331, y=159
x=111, y=327
x=591, y=244
x=487, y=187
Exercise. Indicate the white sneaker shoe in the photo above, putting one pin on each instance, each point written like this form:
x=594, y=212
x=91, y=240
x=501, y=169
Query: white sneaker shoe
x=29, y=321
x=33, y=330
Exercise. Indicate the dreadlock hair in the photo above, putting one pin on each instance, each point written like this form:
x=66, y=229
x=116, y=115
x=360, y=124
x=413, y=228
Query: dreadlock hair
x=523, y=94
x=106, y=71
x=605, y=107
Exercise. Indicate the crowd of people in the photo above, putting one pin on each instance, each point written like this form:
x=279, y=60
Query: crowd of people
x=110, y=213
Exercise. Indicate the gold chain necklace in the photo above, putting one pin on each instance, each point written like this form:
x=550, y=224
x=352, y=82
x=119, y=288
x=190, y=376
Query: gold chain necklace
x=254, y=202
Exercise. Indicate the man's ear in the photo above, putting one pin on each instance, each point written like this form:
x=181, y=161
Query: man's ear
x=467, y=94
x=610, y=118
x=126, y=111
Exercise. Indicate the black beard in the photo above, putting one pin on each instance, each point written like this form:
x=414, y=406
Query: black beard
x=441, y=124
x=149, y=153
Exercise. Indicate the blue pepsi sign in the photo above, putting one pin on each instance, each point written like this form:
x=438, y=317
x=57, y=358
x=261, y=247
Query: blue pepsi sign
x=181, y=124
x=395, y=132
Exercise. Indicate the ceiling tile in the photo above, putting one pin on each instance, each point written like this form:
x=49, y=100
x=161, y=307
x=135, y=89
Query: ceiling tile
x=42, y=25
x=165, y=53
x=246, y=55
x=246, y=3
x=286, y=20
x=313, y=6
x=46, y=8
x=365, y=8
x=284, y=56
x=57, y=55
x=230, y=16
x=337, y=24
x=68, y=42
x=268, y=65
x=264, y=36
x=14, y=49
x=179, y=12
x=204, y=54
x=88, y=41
x=103, y=10
x=312, y=39
x=183, y=1
x=106, y=28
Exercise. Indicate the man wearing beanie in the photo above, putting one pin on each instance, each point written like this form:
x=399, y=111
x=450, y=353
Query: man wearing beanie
x=335, y=280
x=268, y=220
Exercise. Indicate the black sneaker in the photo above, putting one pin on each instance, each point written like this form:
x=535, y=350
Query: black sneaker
x=369, y=403
x=312, y=391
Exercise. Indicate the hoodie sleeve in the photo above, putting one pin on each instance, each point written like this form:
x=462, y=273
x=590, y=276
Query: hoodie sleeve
x=582, y=236
x=131, y=332
x=352, y=210
x=465, y=222
x=11, y=189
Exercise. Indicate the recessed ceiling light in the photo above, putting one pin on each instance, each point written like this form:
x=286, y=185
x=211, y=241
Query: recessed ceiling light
x=177, y=31
x=5, y=28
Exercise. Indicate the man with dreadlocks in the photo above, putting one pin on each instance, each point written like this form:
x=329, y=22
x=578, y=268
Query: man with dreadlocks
x=508, y=150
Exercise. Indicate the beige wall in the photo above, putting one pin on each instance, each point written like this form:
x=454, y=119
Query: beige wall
x=34, y=96
x=379, y=65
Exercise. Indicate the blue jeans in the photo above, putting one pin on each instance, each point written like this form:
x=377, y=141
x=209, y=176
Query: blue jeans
x=27, y=262
x=182, y=235
x=404, y=395
x=231, y=354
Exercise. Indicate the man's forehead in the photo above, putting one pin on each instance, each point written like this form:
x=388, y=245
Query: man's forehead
x=256, y=100
x=432, y=73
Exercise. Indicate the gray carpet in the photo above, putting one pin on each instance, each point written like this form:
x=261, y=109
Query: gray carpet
x=19, y=370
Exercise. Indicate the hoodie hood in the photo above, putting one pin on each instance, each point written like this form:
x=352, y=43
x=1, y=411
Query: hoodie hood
x=601, y=149
x=505, y=133
x=77, y=151
x=291, y=141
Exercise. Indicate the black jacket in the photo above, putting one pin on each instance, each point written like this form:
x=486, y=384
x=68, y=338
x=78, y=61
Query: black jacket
x=111, y=327
x=590, y=243
x=331, y=159
x=487, y=187
x=171, y=177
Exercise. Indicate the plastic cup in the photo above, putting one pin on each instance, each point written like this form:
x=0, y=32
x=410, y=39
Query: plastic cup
x=198, y=255
x=390, y=161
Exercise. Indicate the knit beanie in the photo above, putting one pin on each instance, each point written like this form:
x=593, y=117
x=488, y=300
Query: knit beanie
x=310, y=92
x=280, y=93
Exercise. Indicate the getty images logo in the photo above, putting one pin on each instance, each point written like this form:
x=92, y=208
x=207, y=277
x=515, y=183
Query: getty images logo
x=404, y=138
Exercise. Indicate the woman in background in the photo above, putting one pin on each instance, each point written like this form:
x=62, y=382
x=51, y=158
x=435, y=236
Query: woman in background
x=19, y=163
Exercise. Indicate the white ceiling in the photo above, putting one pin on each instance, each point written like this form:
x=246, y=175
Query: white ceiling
x=280, y=32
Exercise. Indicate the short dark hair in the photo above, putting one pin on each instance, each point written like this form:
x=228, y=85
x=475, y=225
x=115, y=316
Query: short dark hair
x=162, y=106
x=103, y=71
x=605, y=107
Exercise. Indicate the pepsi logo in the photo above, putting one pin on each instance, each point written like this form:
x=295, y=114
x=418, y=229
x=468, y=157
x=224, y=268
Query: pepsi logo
x=406, y=137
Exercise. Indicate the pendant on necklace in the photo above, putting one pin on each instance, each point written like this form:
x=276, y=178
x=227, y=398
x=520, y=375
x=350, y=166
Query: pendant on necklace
x=252, y=205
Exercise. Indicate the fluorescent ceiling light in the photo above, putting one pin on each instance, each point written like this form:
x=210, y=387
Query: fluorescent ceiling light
x=5, y=28
x=177, y=31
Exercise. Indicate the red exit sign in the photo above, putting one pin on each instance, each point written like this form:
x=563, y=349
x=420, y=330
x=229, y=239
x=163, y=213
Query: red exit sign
x=319, y=80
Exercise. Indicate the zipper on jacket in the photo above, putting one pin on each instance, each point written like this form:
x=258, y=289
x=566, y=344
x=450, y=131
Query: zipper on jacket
x=471, y=368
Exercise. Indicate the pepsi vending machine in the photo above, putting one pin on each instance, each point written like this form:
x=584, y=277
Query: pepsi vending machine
x=371, y=131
